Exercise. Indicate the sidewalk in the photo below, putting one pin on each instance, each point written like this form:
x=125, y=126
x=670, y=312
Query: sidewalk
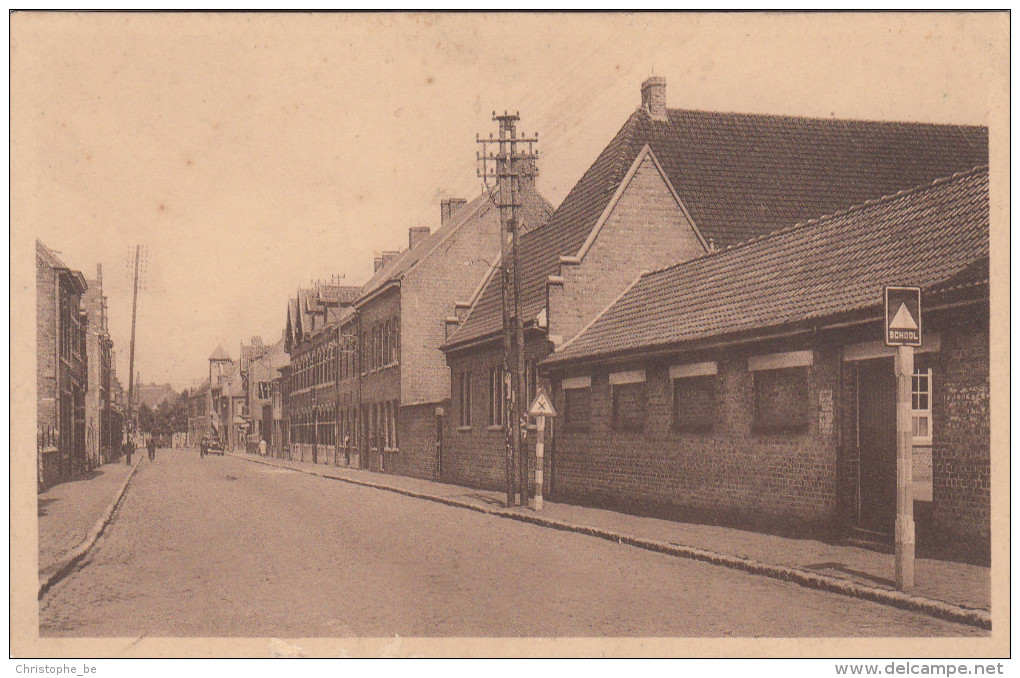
x=68, y=511
x=850, y=567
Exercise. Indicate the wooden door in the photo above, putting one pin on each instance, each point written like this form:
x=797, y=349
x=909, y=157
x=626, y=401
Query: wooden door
x=876, y=439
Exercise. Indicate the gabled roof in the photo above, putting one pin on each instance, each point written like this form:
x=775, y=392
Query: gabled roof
x=328, y=293
x=534, y=213
x=53, y=261
x=219, y=354
x=739, y=176
x=935, y=236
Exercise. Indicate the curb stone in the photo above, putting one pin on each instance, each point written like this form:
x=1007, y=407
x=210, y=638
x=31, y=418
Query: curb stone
x=60, y=569
x=980, y=618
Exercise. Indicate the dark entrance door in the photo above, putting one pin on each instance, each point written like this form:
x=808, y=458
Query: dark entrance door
x=876, y=439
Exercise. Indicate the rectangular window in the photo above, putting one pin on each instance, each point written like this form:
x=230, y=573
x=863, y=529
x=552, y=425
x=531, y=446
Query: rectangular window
x=577, y=407
x=497, y=403
x=629, y=406
x=265, y=390
x=465, y=398
x=781, y=399
x=920, y=405
x=694, y=405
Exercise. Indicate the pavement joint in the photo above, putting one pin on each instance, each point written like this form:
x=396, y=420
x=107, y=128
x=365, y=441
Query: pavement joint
x=935, y=608
x=67, y=562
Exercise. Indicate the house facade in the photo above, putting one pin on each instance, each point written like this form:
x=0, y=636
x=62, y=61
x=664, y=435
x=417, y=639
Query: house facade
x=61, y=369
x=401, y=325
x=311, y=342
x=671, y=186
x=102, y=418
x=752, y=386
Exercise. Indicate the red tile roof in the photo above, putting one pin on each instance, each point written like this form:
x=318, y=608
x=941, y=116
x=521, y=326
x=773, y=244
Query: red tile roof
x=935, y=236
x=740, y=176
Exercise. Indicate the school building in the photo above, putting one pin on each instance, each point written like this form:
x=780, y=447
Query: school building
x=752, y=385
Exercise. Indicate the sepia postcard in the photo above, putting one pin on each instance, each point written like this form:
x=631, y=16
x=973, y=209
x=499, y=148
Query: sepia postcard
x=509, y=335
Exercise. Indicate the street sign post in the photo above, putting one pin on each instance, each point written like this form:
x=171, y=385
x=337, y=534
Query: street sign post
x=541, y=408
x=903, y=330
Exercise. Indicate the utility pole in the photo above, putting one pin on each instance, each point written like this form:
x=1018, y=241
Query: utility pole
x=510, y=164
x=131, y=356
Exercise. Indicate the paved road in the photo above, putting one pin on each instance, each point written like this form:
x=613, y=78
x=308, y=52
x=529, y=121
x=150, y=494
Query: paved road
x=225, y=547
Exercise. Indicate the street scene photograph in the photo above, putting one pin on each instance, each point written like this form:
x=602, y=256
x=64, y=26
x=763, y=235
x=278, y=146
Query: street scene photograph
x=358, y=333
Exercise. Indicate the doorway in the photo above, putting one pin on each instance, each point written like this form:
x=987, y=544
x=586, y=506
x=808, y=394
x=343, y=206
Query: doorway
x=876, y=442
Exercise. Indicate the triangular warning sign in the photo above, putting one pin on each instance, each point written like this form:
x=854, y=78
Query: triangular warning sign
x=903, y=320
x=542, y=406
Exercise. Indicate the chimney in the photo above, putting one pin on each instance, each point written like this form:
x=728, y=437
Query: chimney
x=653, y=97
x=377, y=263
x=449, y=208
x=416, y=235
x=388, y=257
x=99, y=274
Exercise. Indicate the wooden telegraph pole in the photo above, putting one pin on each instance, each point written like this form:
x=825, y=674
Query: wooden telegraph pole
x=509, y=165
x=131, y=355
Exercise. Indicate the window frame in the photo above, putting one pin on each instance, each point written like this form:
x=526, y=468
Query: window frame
x=464, y=396
x=921, y=413
x=786, y=425
x=712, y=381
x=617, y=390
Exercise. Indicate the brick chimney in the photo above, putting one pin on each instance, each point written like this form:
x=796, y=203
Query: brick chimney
x=449, y=208
x=653, y=97
x=388, y=257
x=377, y=263
x=416, y=235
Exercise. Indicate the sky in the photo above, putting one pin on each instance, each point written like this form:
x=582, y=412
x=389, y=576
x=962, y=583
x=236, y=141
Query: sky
x=250, y=154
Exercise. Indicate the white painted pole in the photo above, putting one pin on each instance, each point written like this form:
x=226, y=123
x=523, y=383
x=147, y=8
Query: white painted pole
x=904, y=469
x=536, y=502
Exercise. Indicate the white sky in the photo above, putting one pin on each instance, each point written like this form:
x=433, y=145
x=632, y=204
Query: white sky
x=251, y=154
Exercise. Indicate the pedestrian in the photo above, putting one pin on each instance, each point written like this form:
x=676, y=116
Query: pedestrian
x=262, y=447
x=128, y=449
x=201, y=447
x=152, y=448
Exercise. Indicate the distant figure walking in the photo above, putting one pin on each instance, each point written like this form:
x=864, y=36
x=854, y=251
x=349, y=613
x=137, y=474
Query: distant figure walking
x=129, y=448
x=152, y=448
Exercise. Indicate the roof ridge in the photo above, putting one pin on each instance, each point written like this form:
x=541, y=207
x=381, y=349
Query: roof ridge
x=793, y=116
x=872, y=202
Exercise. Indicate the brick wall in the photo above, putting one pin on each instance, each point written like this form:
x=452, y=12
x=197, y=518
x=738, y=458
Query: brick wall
x=961, y=433
x=730, y=474
x=428, y=293
x=418, y=456
x=46, y=342
x=476, y=456
x=646, y=230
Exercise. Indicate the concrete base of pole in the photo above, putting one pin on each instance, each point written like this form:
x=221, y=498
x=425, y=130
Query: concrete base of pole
x=904, y=554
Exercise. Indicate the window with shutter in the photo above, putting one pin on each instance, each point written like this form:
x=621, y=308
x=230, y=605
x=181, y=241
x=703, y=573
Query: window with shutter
x=629, y=406
x=694, y=404
x=577, y=408
x=781, y=399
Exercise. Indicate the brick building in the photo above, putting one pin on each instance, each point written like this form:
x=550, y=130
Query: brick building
x=672, y=185
x=102, y=420
x=752, y=385
x=309, y=384
x=260, y=367
x=61, y=369
x=199, y=414
x=403, y=381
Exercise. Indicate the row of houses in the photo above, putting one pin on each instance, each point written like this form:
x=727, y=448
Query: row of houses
x=79, y=413
x=704, y=309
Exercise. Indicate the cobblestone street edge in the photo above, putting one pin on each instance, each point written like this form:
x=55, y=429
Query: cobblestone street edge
x=67, y=562
x=813, y=580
